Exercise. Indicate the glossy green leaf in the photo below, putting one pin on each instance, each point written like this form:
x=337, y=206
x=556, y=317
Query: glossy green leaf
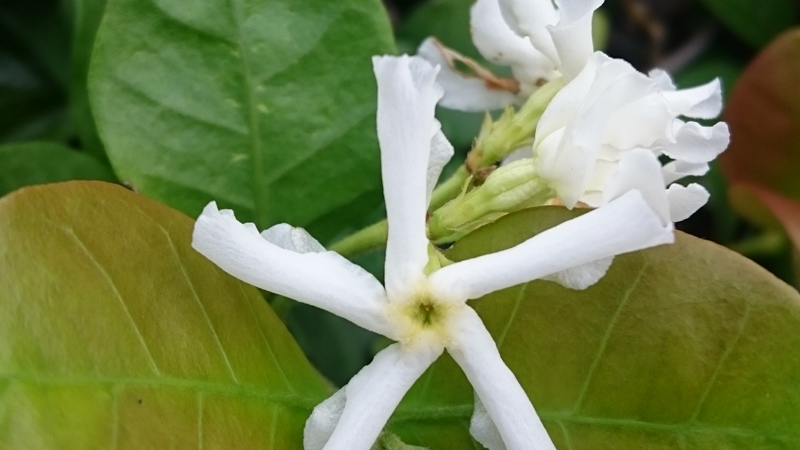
x=267, y=106
x=687, y=346
x=755, y=22
x=117, y=334
x=46, y=162
x=87, y=15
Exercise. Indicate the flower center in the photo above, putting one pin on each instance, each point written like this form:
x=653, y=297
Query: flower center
x=426, y=313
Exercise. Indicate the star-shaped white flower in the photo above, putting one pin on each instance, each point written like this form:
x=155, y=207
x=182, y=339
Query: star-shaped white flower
x=540, y=41
x=423, y=309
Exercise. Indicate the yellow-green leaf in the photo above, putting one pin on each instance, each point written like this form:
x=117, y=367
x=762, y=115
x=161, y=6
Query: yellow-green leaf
x=687, y=346
x=116, y=334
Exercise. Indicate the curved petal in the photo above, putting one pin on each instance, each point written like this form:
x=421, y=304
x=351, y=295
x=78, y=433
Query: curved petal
x=498, y=43
x=292, y=238
x=483, y=429
x=572, y=36
x=441, y=152
x=625, y=225
x=640, y=170
x=370, y=398
x=407, y=96
x=325, y=279
x=640, y=123
x=686, y=200
x=581, y=277
x=698, y=144
x=701, y=102
x=676, y=170
x=320, y=425
x=500, y=393
x=466, y=92
x=616, y=84
x=529, y=18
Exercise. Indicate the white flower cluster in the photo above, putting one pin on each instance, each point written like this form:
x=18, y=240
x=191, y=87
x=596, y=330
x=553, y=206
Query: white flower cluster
x=604, y=132
x=598, y=142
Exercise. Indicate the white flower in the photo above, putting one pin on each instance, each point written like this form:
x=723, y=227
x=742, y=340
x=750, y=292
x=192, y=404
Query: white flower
x=424, y=310
x=592, y=140
x=538, y=40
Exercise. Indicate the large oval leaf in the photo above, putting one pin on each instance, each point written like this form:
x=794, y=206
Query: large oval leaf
x=116, y=334
x=267, y=106
x=687, y=346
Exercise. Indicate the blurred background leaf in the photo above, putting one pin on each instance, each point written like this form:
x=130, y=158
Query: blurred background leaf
x=32, y=163
x=755, y=22
x=762, y=164
x=87, y=15
x=695, y=355
x=124, y=337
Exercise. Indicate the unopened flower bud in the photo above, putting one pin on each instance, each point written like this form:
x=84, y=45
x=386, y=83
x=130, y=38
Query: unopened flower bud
x=509, y=188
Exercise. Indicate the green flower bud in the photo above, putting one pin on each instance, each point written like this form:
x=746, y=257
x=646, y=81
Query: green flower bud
x=509, y=188
x=512, y=130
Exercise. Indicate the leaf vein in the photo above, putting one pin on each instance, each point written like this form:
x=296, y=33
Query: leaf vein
x=117, y=294
x=607, y=336
x=723, y=358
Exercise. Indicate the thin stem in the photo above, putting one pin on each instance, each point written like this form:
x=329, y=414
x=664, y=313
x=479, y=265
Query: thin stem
x=366, y=239
x=374, y=236
x=449, y=189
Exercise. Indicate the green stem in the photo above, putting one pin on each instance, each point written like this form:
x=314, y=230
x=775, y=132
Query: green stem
x=374, y=236
x=449, y=189
x=366, y=239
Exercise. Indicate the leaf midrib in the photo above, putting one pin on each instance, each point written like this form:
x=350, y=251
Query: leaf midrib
x=290, y=400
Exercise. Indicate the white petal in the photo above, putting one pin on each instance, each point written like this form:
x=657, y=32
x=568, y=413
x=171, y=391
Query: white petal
x=566, y=104
x=662, y=79
x=676, y=170
x=581, y=277
x=499, y=44
x=686, y=200
x=509, y=407
x=572, y=36
x=319, y=427
x=701, y=102
x=407, y=96
x=698, y=144
x=616, y=85
x=464, y=92
x=441, y=152
x=325, y=280
x=640, y=170
x=292, y=238
x=640, y=123
x=529, y=18
x=483, y=429
x=625, y=225
x=372, y=396
x=518, y=154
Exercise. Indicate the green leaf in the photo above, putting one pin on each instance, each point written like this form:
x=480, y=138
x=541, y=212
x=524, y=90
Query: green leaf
x=755, y=22
x=46, y=162
x=117, y=334
x=87, y=15
x=267, y=106
x=687, y=346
